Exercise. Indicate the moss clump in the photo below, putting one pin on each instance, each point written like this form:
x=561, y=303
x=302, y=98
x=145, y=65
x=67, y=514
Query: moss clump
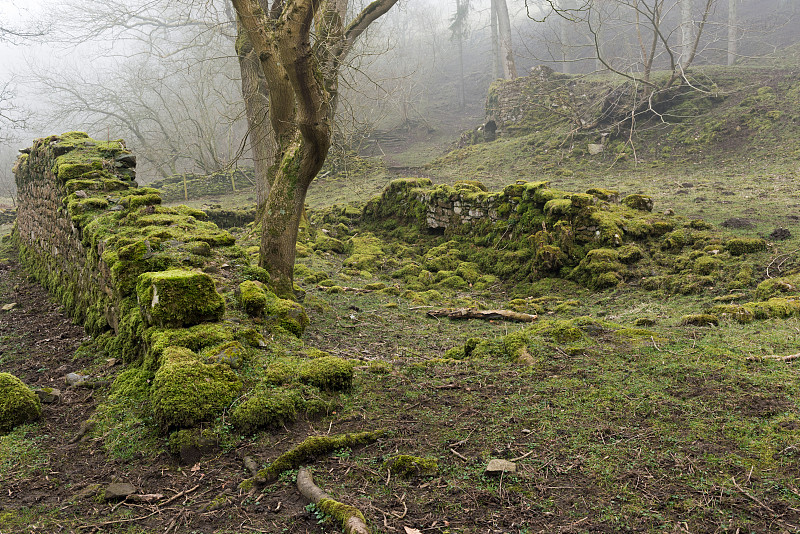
x=408, y=466
x=744, y=245
x=599, y=269
x=314, y=447
x=186, y=392
x=775, y=286
x=252, y=298
x=706, y=265
x=177, y=298
x=638, y=202
x=323, y=243
x=700, y=319
x=267, y=408
x=328, y=373
x=18, y=404
x=233, y=354
x=285, y=314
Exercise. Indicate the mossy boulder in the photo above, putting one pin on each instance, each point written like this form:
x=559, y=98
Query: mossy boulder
x=323, y=243
x=700, y=319
x=268, y=408
x=178, y=298
x=328, y=373
x=745, y=245
x=599, y=269
x=638, y=202
x=18, y=404
x=186, y=392
x=286, y=314
x=252, y=298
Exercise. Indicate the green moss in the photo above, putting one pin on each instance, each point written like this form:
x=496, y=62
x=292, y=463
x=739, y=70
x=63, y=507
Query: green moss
x=599, y=269
x=701, y=319
x=177, y=298
x=285, y=314
x=232, y=353
x=638, y=202
x=314, y=447
x=407, y=466
x=18, y=404
x=186, y=392
x=328, y=373
x=324, y=243
x=266, y=408
x=252, y=298
x=706, y=265
x=743, y=245
x=195, y=338
x=774, y=286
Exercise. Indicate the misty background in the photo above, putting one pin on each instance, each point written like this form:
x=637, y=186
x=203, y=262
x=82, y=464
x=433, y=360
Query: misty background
x=163, y=74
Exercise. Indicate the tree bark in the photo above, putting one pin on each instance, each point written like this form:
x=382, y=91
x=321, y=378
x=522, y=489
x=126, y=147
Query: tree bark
x=686, y=32
x=506, y=51
x=496, y=69
x=300, y=82
x=733, y=40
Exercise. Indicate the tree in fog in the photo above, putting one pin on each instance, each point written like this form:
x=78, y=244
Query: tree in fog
x=501, y=40
x=159, y=74
x=301, y=46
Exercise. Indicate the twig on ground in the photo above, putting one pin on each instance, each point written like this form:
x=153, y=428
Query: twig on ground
x=179, y=495
x=459, y=455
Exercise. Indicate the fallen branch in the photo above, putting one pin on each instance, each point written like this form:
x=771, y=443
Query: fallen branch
x=787, y=358
x=311, y=448
x=179, y=495
x=473, y=313
x=351, y=519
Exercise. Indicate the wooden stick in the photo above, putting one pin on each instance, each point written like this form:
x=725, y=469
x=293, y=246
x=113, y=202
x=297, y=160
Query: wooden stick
x=179, y=495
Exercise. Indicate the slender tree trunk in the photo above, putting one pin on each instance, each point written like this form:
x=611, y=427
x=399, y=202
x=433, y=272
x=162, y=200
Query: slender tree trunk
x=564, y=38
x=687, y=27
x=496, y=69
x=506, y=51
x=733, y=39
x=256, y=103
x=462, y=94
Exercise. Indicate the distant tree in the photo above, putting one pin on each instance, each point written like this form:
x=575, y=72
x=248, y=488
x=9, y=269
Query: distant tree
x=301, y=46
x=458, y=29
x=504, y=36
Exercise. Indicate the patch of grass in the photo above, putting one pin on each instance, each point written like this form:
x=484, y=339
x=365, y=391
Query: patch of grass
x=23, y=452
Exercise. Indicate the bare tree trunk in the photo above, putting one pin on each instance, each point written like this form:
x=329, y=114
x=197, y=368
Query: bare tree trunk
x=686, y=32
x=733, y=39
x=462, y=94
x=506, y=51
x=256, y=103
x=564, y=38
x=496, y=71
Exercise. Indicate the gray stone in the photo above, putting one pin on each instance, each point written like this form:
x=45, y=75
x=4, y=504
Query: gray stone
x=75, y=380
x=48, y=395
x=595, y=149
x=497, y=467
x=118, y=490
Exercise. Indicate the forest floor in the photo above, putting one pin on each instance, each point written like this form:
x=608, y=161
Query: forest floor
x=688, y=429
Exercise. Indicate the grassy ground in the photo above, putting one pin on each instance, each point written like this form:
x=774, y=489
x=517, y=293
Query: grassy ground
x=622, y=419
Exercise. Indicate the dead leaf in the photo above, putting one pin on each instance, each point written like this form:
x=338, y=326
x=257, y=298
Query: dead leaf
x=412, y=530
x=195, y=467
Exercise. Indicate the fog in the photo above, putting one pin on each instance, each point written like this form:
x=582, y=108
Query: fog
x=164, y=76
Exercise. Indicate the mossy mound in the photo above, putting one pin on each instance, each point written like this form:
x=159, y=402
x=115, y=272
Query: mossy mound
x=186, y=392
x=543, y=340
x=18, y=404
x=407, y=466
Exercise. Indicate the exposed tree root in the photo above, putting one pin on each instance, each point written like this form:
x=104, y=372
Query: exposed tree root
x=351, y=519
x=311, y=448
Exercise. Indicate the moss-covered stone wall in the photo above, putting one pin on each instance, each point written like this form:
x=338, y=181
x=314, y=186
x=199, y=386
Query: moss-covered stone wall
x=166, y=291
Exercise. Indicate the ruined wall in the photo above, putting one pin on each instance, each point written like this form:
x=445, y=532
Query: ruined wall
x=52, y=243
x=168, y=292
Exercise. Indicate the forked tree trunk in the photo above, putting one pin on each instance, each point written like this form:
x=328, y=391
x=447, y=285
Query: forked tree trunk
x=496, y=69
